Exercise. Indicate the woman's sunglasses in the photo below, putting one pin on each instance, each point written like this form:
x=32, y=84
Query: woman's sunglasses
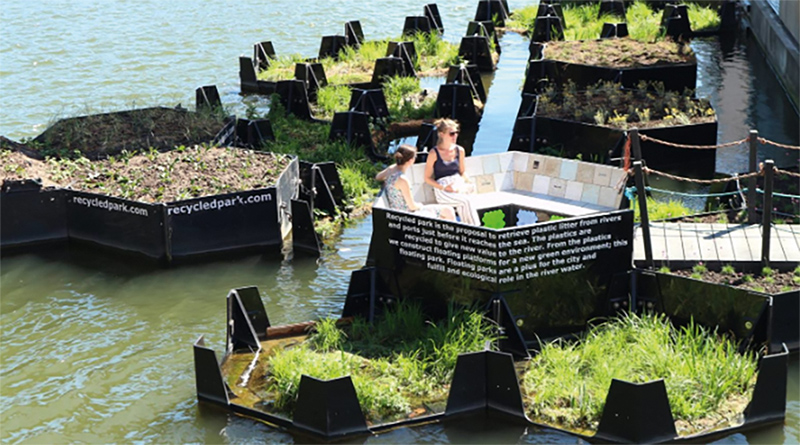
x=453, y=133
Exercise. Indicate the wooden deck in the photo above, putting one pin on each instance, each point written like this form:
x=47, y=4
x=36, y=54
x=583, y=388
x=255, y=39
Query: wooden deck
x=726, y=243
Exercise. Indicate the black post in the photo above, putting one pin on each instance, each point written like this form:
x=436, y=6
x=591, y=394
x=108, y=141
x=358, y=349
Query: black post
x=752, y=183
x=645, y=221
x=636, y=147
x=766, y=217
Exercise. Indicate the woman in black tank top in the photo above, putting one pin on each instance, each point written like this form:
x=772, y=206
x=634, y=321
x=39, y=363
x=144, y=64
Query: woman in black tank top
x=445, y=171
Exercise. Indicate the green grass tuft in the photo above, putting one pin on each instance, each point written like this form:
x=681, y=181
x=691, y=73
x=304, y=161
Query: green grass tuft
x=699, y=268
x=659, y=210
x=567, y=383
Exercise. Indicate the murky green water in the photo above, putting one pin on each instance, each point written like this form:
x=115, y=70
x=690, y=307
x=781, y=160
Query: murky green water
x=97, y=348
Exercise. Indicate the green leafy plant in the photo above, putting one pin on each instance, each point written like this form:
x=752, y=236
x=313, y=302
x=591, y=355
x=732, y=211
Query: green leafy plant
x=728, y=270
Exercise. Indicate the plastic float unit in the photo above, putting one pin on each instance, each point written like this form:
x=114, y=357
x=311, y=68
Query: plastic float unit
x=248, y=220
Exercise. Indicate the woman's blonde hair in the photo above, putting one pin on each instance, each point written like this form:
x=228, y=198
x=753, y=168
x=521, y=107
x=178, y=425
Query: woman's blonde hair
x=445, y=124
x=404, y=153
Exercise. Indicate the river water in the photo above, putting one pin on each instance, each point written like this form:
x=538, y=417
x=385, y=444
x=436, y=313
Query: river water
x=97, y=348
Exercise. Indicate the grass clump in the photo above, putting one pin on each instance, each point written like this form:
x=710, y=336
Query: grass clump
x=660, y=210
x=400, y=362
x=728, y=270
x=702, y=18
x=405, y=99
x=330, y=99
x=706, y=379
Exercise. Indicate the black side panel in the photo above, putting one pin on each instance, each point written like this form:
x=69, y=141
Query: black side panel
x=732, y=309
x=208, y=377
x=332, y=179
x=682, y=161
x=224, y=222
x=30, y=215
x=785, y=321
x=241, y=336
x=328, y=408
x=254, y=308
x=636, y=413
x=304, y=237
x=468, y=390
x=502, y=389
x=769, y=396
x=482, y=380
x=455, y=101
x=477, y=51
x=118, y=223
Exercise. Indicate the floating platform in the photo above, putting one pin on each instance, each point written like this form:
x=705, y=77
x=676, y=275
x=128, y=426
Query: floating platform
x=537, y=281
x=252, y=220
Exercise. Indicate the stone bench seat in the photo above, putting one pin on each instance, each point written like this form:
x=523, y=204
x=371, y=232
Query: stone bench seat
x=555, y=186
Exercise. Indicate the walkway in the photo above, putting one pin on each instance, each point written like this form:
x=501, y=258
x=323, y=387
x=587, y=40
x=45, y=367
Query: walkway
x=694, y=242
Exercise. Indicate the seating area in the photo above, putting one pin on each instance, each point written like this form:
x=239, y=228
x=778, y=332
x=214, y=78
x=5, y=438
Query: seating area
x=553, y=185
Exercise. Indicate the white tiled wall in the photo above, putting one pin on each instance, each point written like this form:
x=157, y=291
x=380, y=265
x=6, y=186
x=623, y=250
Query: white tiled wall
x=563, y=178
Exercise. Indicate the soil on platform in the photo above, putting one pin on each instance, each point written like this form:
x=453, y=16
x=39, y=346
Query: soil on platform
x=619, y=53
x=153, y=176
x=100, y=135
x=773, y=282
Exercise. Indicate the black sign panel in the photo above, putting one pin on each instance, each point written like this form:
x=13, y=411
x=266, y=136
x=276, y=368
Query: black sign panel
x=223, y=222
x=119, y=223
x=32, y=216
x=554, y=275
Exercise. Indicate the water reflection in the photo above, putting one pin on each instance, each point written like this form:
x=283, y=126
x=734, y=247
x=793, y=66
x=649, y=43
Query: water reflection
x=746, y=95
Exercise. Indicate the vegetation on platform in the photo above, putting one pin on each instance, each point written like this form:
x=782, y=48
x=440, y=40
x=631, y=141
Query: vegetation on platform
x=619, y=53
x=607, y=104
x=644, y=22
x=767, y=280
x=153, y=176
x=355, y=65
x=401, y=365
x=708, y=382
